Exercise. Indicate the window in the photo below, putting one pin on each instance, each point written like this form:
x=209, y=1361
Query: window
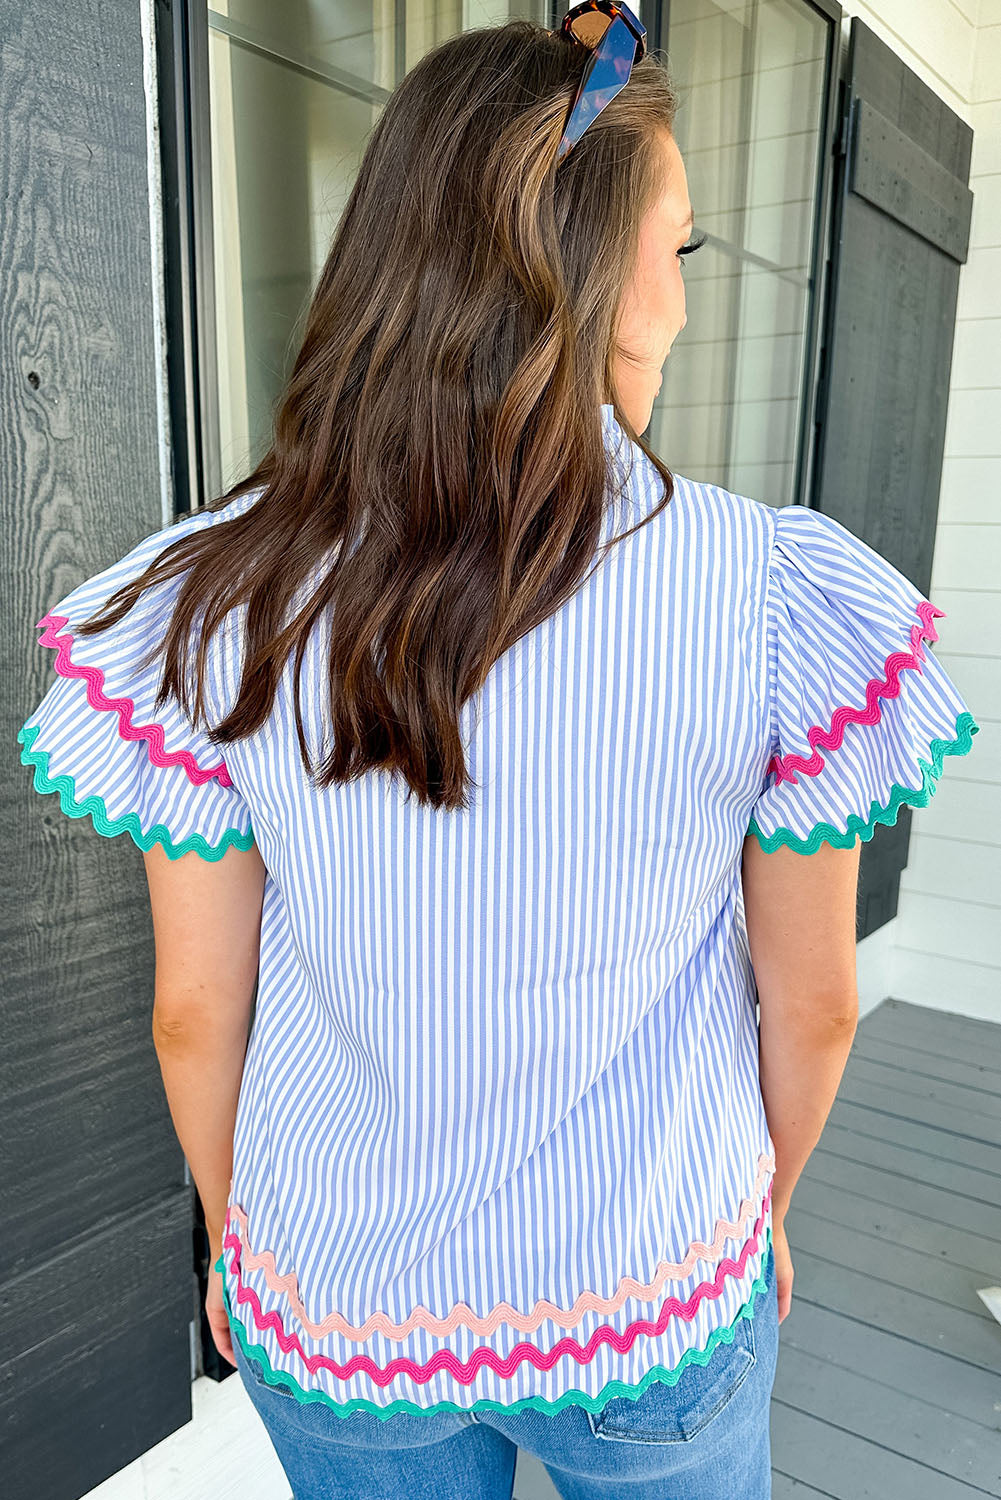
x=295, y=90
x=753, y=127
x=266, y=110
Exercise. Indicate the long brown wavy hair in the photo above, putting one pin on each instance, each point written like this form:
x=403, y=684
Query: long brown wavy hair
x=441, y=425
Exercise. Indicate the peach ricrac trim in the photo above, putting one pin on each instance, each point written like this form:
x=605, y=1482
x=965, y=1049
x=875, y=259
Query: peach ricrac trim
x=485, y=1357
x=502, y=1312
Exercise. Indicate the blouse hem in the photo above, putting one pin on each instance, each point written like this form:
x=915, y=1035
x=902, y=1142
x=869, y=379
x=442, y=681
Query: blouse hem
x=614, y=1388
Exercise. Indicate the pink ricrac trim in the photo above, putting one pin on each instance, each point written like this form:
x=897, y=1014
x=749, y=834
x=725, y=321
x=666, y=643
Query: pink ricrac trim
x=887, y=686
x=502, y=1312
x=123, y=707
x=466, y=1372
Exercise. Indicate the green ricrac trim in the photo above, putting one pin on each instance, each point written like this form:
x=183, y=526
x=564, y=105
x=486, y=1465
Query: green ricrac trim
x=864, y=828
x=93, y=807
x=573, y=1397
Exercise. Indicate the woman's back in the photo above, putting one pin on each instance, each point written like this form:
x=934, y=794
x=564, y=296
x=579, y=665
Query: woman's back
x=500, y=1136
x=516, y=1044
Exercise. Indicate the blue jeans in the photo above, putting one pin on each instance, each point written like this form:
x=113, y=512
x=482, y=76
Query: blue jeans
x=704, y=1438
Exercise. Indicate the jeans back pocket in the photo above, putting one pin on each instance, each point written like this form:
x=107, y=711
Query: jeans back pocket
x=677, y=1413
x=254, y=1371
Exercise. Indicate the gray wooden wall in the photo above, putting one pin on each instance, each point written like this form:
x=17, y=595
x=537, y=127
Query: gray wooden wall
x=95, y=1249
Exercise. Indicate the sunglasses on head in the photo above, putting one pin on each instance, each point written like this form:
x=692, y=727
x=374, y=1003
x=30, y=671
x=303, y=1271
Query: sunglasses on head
x=616, y=39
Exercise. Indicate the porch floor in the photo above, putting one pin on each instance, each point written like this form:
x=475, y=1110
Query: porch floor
x=887, y=1382
x=888, y=1376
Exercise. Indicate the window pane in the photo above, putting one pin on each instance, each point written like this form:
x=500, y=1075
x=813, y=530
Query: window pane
x=752, y=81
x=295, y=90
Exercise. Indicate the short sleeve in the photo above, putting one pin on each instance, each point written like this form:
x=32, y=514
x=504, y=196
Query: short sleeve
x=863, y=715
x=95, y=738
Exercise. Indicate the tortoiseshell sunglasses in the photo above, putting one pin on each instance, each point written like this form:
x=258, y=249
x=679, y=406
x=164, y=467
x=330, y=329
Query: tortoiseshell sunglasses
x=616, y=39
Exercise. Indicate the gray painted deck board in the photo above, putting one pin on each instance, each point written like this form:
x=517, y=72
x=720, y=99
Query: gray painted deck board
x=919, y=1199
x=912, y=1162
x=979, y=1102
x=874, y=1411
x=921, y=1135
x=978, y=1075
x=898, y=1227
x=888, y=1380
x=946, y=1117
x=851, y=1468
x=881, y=1304
x=784, y=1488
x=959, y=1387
x=954, y=1286
x=935, y=1031
x=923, y=1020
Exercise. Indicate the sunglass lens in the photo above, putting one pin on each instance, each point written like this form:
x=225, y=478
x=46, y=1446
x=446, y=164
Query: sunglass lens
x=590, y=27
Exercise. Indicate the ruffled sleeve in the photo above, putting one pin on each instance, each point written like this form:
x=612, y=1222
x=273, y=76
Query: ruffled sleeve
x=863, y=715
x=97, y=741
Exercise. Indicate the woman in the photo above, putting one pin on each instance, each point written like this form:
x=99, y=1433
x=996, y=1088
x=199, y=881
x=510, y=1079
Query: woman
x=500, y=748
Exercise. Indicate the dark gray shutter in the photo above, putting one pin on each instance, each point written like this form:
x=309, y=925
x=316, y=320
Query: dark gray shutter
x=96, y=1282
x=901, y=230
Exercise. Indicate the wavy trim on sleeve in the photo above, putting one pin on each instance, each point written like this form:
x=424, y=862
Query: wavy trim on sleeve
x=153, y=733
x=887, y=686
x=865, y=827
x=93, y=807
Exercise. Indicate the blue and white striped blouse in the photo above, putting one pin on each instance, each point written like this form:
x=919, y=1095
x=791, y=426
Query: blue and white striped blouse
x=500, y=1140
